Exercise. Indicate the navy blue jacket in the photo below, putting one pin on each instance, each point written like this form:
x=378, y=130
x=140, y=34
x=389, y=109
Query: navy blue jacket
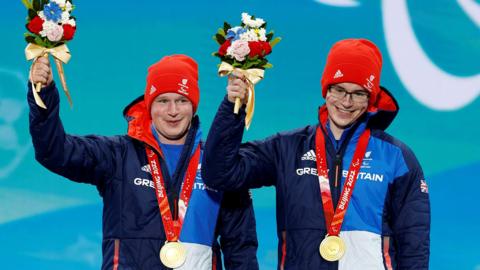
x=387, y=223
x=132, y=228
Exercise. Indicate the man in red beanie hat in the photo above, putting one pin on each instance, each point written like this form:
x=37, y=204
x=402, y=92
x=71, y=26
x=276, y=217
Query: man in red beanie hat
x=349, y=195
x=158, y=213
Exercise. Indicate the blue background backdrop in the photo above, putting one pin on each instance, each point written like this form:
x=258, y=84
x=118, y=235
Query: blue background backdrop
x=47, y=222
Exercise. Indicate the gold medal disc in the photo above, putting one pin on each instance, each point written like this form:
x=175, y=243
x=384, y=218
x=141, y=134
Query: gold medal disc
x=332, y=248
x=173, y=254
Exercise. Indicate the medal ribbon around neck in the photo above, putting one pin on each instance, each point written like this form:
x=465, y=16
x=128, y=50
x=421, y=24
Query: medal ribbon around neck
x=172, y=227
x=334, y=219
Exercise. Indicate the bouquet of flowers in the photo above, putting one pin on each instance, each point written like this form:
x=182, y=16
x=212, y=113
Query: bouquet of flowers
x=50, y=25
x=244, y=48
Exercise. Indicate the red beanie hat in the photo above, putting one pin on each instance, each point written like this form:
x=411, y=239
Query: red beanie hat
x=173, y=74
x=355, y=61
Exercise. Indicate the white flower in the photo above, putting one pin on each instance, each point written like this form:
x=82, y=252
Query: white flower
x=250, y=35
x=257, y=23
x=248, y=21
x=65, y=17
x=238, y=50
x=246, y=17
x=68, y=6
x=46, y=25
x=61, y=3
x=52, y=31
x=262, y=34
x=72, y=22
x=42, y=15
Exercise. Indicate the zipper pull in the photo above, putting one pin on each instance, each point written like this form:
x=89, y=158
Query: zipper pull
x=338, y=162
x=175, y=208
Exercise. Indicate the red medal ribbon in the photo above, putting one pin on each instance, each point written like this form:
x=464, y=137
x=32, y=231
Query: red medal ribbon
x=334, y=219
x=172, y=227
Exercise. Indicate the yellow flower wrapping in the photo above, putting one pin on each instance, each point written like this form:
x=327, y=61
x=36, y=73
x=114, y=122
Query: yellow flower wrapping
x=253, y=76
x=61, y=55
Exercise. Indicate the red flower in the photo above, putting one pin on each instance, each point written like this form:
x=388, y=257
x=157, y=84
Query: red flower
x=259, y=48
x=223, y=49
x=35, y=25
x=266, y=47
x=68, y=31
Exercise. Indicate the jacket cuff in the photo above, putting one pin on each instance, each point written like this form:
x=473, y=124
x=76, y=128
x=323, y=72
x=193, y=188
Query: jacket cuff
x=226, y=111
x=49, y=95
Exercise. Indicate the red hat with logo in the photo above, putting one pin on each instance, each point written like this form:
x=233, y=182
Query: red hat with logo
x=173, y=74
x=355, y=61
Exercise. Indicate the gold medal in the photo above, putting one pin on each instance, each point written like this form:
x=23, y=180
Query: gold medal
x=332, y=248
x=173, y=254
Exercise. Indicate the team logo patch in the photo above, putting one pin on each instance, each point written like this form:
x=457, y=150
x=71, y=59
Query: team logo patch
x=366, y=160
x=152, y=89
x=369, y=85
x=183, y=87
x=310, y=155
x=146, y=168
x=338, y=74
x=423, y=186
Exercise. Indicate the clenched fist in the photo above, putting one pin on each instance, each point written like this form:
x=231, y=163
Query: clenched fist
x=41, y=72
x=237, y=87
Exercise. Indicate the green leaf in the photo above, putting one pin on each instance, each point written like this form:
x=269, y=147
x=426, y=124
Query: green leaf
x=30, y=39
x=236, y=64
x=263, y=62
x=275, y=41
x=269, y=36
x=221, y=32
x=253, y=58
x=215, y=38
x=267, y=65
x=220, y=39
x=27, y=4
x=39, y=41
x=36, y=5
x=227, y=60
x=29, y=35
x=249, y=65
x=226, y=26
x=31, y=14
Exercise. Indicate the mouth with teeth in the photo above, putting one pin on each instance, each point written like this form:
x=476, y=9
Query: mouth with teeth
x=345, y=113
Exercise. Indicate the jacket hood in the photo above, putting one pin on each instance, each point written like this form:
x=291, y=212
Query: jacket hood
x=380, y=114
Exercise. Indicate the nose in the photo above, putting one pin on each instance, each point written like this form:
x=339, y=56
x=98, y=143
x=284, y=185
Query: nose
x=172, y=109
x=347, y=100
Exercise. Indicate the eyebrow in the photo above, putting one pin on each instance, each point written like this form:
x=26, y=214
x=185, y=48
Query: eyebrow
x=355, y=90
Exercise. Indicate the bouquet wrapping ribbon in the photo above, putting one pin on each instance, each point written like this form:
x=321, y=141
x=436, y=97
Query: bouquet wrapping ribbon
x=61, y=54
x=253, y=76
